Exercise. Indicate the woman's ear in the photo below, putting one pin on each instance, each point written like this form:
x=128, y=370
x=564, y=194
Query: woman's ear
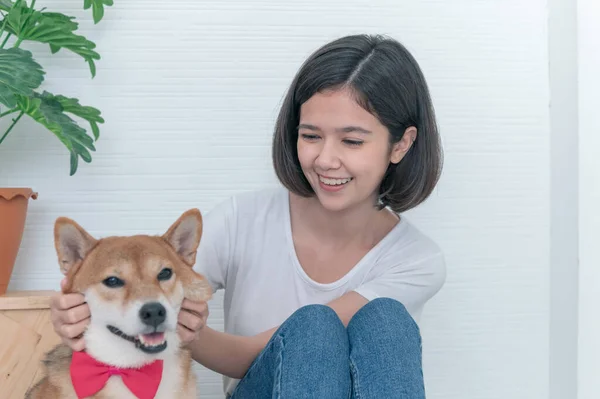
x=400, y=148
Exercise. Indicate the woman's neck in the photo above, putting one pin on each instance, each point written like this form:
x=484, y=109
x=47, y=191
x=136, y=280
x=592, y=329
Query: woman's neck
x=362, y=222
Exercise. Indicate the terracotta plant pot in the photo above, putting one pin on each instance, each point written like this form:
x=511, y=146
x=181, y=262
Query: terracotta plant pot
x=13, y=212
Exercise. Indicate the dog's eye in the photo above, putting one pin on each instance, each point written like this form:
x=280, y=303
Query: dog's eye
x=113, y=282
x=165, y=274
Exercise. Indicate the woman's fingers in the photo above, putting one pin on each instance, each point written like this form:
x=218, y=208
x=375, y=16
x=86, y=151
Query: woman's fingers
x=199, y=308
x=190, y=320
x=66, y=301
x=76, y=315
x=74, y=330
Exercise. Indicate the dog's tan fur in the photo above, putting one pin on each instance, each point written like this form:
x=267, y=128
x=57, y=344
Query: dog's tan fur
x=137, y=260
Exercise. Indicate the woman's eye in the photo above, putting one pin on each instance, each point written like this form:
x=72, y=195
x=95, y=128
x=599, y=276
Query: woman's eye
x=113, y=282
x=353, y=142
x=310, y=137
x=165, y=274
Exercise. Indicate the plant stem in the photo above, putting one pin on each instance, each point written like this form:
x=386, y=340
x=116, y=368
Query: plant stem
x=5, y=20
x=5, y=40
x=14, y=122
x=20, y=39
x=10, y=111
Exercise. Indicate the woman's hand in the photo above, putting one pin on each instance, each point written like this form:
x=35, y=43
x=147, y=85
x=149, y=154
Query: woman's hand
x=192, y=318
x=70, y=317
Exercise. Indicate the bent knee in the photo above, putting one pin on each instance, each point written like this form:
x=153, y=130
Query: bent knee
x=389, y=305
x=316, y=315
x=384, y=311
x=317, y=323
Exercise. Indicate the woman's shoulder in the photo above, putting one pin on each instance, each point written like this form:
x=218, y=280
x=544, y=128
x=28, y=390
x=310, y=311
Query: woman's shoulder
x=230, y=225
x=410, y=246
x=415, y=239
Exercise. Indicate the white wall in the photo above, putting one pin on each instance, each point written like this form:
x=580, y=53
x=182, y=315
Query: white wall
x=190, y=88
x=564, y=244
x=589, y=198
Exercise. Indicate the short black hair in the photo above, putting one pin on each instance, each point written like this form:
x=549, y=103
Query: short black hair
x=388, y=83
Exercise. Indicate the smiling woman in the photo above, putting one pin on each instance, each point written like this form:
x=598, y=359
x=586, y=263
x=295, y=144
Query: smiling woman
x=324, y=279
x=328, y=266
x=342, y=146
x=370, y=95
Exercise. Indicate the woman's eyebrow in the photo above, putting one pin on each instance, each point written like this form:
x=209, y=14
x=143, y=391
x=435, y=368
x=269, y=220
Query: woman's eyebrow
x=352, y=129
x=346, y=129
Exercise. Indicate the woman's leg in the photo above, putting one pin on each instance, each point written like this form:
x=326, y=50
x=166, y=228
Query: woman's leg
x=385, y=352
x=307, y=357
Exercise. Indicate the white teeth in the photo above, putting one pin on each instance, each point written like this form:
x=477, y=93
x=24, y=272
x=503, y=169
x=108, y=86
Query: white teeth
x=334, y=182
x=146, y=343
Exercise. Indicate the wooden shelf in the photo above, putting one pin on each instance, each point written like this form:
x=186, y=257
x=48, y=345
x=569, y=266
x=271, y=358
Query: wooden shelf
x=23, y=300
x=27, y=334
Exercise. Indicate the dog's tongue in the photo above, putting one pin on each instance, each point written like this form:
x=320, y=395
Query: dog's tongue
x=153, y=338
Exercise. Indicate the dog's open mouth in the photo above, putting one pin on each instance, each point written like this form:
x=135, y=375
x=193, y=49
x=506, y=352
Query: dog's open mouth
x=149, y=343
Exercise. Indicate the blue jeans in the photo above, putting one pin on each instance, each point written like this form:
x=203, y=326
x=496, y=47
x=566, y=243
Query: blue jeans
x=312, y=355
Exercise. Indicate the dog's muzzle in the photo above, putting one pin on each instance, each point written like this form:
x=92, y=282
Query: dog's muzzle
x=153, y=315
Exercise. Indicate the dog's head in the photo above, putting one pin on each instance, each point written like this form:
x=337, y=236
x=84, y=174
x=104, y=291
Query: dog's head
x=134, y=286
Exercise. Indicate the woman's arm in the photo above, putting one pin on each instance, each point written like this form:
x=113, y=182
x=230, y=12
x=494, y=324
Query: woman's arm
x=227, y=354
x=232, y=355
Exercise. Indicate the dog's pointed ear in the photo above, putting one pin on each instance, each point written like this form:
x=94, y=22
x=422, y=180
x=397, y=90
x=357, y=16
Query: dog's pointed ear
x=72, y=243
x=184, y=235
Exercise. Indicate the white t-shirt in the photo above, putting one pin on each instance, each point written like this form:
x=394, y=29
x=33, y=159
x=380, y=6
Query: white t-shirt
x=247, y=249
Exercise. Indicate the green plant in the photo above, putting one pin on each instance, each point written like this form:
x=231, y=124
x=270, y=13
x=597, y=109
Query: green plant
x=21, y=76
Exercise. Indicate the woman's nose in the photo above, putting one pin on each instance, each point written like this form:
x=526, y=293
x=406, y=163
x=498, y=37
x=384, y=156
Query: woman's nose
x=328, y=157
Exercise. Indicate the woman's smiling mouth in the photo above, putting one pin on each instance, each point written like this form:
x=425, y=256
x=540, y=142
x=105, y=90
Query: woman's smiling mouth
x=332, y=183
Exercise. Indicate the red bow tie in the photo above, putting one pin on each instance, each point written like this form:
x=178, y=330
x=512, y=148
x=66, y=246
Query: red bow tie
x=89, y=376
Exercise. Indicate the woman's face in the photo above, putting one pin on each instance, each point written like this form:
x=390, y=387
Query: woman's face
x=344, y=151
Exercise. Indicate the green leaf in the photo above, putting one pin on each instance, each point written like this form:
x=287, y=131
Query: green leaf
x=48, y=110
x=19, y=75
x=54, y=29
x=58, y=18
x=18, y=16
x=90, y=114
x=73, y=163
x=5, y=5
x=97, y=8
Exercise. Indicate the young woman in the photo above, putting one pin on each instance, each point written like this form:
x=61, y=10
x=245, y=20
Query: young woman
x=324, y=280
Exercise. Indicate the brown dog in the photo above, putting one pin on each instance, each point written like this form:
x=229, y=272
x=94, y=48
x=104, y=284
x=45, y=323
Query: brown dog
x=134, y=287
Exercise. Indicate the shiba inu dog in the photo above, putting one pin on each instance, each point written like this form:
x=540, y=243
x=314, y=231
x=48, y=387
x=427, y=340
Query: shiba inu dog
x=134, y=287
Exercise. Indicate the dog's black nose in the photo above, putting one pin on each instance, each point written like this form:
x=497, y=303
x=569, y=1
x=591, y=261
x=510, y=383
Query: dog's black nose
x=153, y=314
